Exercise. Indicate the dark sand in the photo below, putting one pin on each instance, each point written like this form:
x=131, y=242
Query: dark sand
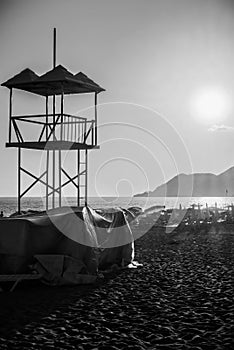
x=182, y=298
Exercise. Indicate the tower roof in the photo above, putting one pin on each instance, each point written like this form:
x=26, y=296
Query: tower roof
x=53, y=82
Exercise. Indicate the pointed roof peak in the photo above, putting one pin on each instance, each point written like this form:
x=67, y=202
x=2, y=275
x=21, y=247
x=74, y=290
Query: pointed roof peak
x=84, y=78
x=25, y=76
x=59, y=73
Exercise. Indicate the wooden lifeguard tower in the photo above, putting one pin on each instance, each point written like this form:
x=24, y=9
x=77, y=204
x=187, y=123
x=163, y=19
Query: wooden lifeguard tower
x=57, y=130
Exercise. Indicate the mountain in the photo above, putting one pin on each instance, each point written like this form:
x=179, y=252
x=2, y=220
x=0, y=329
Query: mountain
x=196, y=185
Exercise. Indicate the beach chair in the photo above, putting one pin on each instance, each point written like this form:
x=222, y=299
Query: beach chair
x=18, y=278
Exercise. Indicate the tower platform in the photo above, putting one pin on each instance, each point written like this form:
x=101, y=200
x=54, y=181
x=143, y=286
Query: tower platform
x=52, y=145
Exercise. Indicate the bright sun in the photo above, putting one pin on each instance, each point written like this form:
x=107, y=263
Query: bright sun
x=210, y=105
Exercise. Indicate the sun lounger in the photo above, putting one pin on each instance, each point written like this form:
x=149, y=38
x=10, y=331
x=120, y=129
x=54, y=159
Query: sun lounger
x=17, y=278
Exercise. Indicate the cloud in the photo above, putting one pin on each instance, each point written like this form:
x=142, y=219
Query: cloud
x=216, y=128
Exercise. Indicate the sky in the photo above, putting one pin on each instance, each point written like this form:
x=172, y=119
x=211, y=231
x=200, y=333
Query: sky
x=167, y=67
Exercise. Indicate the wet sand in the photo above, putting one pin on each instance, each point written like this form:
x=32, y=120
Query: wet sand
x=182, y=298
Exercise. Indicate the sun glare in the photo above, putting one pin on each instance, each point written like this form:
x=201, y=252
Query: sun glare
x=210, y=105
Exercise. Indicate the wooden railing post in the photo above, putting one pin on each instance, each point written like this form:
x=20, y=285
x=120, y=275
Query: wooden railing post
x=85, y=133
x=61, y=116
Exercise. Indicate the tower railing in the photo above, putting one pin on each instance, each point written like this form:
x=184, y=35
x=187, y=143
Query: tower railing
x=54, y=127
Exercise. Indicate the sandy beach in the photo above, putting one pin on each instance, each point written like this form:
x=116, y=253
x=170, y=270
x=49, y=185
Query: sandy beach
x=182, y=298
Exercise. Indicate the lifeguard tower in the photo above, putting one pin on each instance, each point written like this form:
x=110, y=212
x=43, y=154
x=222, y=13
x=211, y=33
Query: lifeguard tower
x=57, y=130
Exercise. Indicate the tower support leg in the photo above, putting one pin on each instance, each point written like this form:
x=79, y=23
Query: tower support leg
x=47, y=178
x=19, y=178
x=53, y=178
x=78, y=178
x=86, y=177
x=60, y=177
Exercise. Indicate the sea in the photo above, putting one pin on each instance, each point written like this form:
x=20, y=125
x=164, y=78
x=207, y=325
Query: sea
x=8, y=205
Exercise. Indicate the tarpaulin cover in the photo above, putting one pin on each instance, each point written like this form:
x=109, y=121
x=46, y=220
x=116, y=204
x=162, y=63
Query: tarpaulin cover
x=62, y=270
x=92, y=241
x=114, y=237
